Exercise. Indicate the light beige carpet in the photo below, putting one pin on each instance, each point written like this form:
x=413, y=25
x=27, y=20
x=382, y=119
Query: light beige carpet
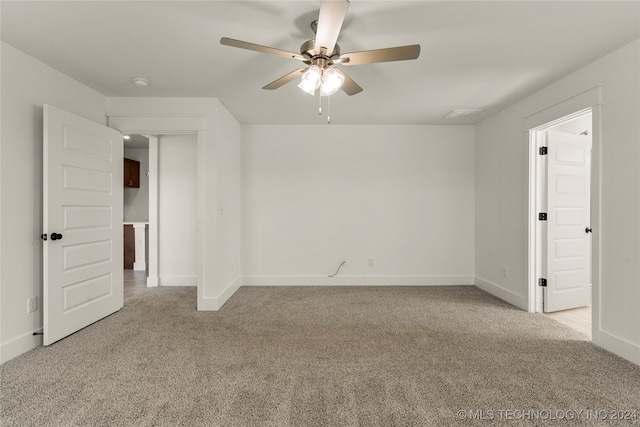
x=312, y=356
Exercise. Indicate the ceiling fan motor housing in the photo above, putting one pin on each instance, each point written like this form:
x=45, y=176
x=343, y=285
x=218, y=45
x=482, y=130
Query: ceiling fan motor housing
x=321, y=59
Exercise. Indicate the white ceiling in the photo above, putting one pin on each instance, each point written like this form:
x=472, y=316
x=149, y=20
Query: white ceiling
x=478, y=54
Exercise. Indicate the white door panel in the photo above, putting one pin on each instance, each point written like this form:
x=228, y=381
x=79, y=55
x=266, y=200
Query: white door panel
x=83, y=199
x=568, y=202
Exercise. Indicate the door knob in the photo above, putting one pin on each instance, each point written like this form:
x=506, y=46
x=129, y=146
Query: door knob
x=588, y=230
x=56, y=236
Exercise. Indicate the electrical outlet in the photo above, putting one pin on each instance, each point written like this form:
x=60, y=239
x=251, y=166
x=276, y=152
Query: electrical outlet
x=505, y=271
x=370, y=262
x=32, y=304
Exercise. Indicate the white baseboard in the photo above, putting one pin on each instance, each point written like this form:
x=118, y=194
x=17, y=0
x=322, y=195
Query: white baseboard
x=177, y=281
x=616, y=345
x=215, y=303
x=504, y=294
x=153, y=282
x=18, y=346
x=356, y=280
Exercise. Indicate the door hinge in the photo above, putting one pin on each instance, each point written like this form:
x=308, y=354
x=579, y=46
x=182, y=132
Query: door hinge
x=543, y=151
x=542, y=216
x=542, y=282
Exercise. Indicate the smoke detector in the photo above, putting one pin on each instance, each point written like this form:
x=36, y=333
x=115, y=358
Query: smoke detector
x=139, y=81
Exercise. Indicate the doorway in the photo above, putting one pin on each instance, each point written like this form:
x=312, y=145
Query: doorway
x=160, y=212
x=155, y=126
x=560, y=218
x=136, y=214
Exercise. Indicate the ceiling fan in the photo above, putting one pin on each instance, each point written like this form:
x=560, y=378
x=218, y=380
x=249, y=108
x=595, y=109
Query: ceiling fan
x=323, y=53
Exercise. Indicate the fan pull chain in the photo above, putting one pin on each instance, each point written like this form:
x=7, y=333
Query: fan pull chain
x=328, y=107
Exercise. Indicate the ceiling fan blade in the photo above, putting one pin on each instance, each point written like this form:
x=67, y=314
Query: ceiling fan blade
x=284, y=79
x=400, y=53
x=259, y=48
x=332, y=13
x=349, y=86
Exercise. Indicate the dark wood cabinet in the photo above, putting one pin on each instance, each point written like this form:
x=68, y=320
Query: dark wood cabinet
x=129, y=247
x=131, y=173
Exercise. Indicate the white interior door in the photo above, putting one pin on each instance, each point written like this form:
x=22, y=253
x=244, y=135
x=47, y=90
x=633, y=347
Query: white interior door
x=568, y=235
x=83, y=197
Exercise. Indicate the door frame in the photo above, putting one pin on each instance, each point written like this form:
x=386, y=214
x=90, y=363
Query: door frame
x=152, y=127
x=579, y=103
x=153, y=253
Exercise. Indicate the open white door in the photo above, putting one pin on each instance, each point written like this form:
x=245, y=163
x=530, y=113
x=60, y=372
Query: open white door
x=568, y=229
x=82, y=222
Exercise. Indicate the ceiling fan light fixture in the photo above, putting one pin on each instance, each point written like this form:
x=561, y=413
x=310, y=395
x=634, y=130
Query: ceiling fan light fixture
x=329, y=81
x=332, y=81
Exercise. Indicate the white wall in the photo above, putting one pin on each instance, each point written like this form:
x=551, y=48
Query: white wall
x=228, y=137
x=177, y=203
x=26, y=85
x=502, y=197
x=402, y=195
x=136, y=200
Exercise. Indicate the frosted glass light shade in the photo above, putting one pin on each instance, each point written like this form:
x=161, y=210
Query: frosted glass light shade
x=331, y=82
x=311, y=79
x=308, y=87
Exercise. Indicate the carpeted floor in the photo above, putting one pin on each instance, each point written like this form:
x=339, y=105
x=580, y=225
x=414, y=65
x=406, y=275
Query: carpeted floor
x=319, y=356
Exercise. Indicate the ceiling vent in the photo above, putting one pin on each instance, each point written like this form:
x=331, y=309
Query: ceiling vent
x=460, y=114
